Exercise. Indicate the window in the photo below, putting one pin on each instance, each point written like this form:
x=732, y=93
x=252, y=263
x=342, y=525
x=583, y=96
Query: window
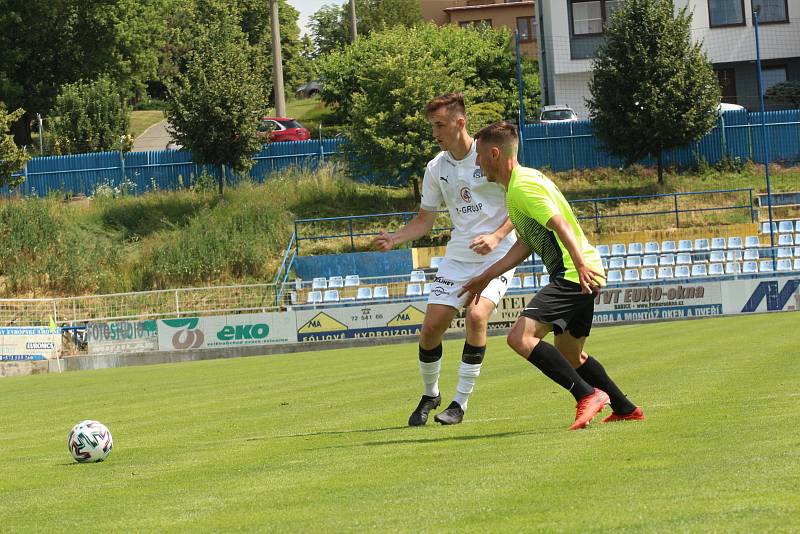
x=771, y=10
x=727, y=84
x=726, y=13
x=589, y=16
x=484, y=23
x=771, y=76
x=526, y=26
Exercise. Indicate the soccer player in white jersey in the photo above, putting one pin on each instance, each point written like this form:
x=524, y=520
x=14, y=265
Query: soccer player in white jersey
x=482, y=234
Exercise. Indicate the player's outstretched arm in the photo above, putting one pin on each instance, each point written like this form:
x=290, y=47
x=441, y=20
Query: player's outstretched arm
x=515, y=255
x=588, y=277
x=417, y=227
x=484, y=244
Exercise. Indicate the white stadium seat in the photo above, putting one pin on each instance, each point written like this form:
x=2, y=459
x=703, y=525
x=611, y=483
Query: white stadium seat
x=417, y=276
x=516, y=283
x=718, y=243
x=682, y=271
x=701, y=245
x=668, y=246
x=426, y=288
x=683, y=259
x=665, y=272
x=732, y=267
x=734, y=255
x=648, y=273
x=635, y=248
x=381, y=292
x=652, y=247
x=617, y=262
x=603, y=250
x=784, y=252
x=785, y=227
x=364, y=293
x=529, y=280
x=331, y=295
x=618, y=249
x=734, y=242
x=614, y=276
x=699, y=269
x=796, y=264
x=750, y=267
x=765, y=266
x=544, y=280
x=765, y=228
x=335, y=281
x=631, y=275
x=716, y=268
x=685, y=245
x=352, y=280
x=751, y=241
x=413, y=290
x=667, y=260
x=633, y=262
x=751, y=254
x=784, y=265
x=650, y=261
x=717, y=256
x=319, y=283
x=314, y=297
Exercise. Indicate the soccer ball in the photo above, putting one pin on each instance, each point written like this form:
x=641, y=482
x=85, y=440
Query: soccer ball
x=89, y=441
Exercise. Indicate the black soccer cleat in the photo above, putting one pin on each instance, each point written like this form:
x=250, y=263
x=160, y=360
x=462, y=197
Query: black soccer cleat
x=451, y=416
x=420, y=416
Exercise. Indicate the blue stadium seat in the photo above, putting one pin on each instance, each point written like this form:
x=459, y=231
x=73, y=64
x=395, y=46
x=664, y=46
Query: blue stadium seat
x=750, y=267
x=604, y=250
x=614, y=276
x=319, y=283
x=426, y=288
x=616, y=262
x=650, y=261
x=544, y=280
x=751, y=241
x=732, y=267
x=699, y=269
x=717, y=256
x=765, y=266
x=784, y=265
x=648, y=273
x=381, y=292
x=718, y=243
x=652, y=247
x=635, y=248
x=785, y=227
x=618, y=249
x=734, y=242
x=633, y=262
x=685, y=245
x=751, y=254
x=314, y=297
x=666, y=260
x=364, y=293
x=683, y=259
x=665, y=272
x=785, y=240
x=352, y=280
x=529, y=280
x=733, y=255
x=701, y=245
x=631, y=275
x=413, y=290
x=335, y=281
x=668, y=246
x=331, y=295
x=682, y=271
x=417, y=276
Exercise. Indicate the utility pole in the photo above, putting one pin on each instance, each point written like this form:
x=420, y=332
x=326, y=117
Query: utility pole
x=277, y=61
x=353, y=22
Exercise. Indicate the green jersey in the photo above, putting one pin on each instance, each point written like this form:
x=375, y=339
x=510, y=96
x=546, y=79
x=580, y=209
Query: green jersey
x=532, y=200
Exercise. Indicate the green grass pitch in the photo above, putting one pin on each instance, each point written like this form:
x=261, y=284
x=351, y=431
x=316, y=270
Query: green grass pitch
x=317, y=442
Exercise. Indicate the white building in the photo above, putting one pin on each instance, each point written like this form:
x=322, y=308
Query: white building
x=571, y=31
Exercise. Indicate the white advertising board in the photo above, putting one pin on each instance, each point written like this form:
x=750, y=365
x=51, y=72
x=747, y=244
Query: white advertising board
x=226, y=331
x=122, y=337
x=29, y=343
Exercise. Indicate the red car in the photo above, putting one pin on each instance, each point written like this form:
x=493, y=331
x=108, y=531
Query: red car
x=282, y=129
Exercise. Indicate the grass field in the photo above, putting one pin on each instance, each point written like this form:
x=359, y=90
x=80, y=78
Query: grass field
x=317, y=442
x=142, y=120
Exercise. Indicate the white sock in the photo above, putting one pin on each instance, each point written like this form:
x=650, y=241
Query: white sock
x=430, y=376
x=467, y=374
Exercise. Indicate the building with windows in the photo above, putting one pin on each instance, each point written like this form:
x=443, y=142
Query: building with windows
x=571, y=31
x=513, y=14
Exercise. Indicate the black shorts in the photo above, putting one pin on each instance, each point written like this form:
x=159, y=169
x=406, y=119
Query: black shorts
x=562, y=304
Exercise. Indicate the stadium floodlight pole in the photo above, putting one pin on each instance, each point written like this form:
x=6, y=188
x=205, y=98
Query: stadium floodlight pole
x=520, y=90
x=277, y=61
x=764, y=135
x=353, y=22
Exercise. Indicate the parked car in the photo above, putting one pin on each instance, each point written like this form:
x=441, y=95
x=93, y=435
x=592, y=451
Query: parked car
x=307, y=90
x=279, y=129
x=557, y=113
x=724, y=106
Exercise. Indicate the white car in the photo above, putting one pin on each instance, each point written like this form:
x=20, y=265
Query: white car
x=724, y=107
x=557, y=113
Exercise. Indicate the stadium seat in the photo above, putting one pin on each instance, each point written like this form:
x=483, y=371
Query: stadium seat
x=648, y=273
x=650, y=261
x=603, y=250
x=426, y=288
x=635, y=248
x=413, y=290
x=331, y=295
x=544, y=280
x=797, y=252
x=701, y=245
x=797, y=238
x=417, y=276
x=298, y=284
x=314, y=297
x=751, y=254
x=364, y=293
x=733, y=255
x=604, y=261
x=732, y=267
x=765, y=228
x=751, y=241
x=785, y=227
x=436, y=261
x=335, y=281
x=631, y=275
x=796, y=264
x=765, y=266
x=718, y=243
x=633, y=262
x=614, y=276
x=785, y=240
x=652, y=247
x=750, y=267
x=784, y=252
x=682, y=271
x=352, y=280
x=319, y=283
x=616, y=262
x=516, y=283
x=797, y=226
x=668, y=246
x=685, y=245
x=683, y=259
x=784, y=265
x=381, y=292
x=699, y=269
x=665, y=272
x=667, y=259
x=529, y=280
x=734, y=242
x=618, y=249
x=717, y=256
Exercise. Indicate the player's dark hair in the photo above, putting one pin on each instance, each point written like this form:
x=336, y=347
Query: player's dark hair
x=453, y=102
x=501, y=134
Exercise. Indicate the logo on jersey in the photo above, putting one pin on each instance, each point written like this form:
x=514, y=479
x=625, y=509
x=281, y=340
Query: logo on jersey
x=477, y=175
x=442, y=178
x=443, y=281
x=466, y=195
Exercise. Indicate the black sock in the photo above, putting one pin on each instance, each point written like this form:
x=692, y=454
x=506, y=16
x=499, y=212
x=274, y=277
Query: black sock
x=594, y=373
x=473, y=355
x=430, y=355
x=556, y=367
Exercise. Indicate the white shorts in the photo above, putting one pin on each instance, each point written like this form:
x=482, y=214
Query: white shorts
x=453, y=274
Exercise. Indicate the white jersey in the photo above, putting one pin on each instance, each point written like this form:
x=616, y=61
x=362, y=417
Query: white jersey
x=476, y=206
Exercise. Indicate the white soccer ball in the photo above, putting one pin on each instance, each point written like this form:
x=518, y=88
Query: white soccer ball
x=89, y=441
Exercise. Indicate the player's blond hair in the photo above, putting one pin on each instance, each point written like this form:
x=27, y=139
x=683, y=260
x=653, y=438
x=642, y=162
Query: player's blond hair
x=453, y=102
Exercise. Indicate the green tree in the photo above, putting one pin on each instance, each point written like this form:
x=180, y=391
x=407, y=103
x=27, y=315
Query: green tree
x=88, y=117
x=330, y=25
x=380, y=85
x=215, y=105
x=652, y=87
x=12, y=158
x=785, y=93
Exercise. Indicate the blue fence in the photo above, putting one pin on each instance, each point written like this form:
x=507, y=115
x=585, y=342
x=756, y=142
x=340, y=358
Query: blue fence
x=555, y=146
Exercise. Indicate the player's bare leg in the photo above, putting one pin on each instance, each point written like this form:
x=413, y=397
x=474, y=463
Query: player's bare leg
x=595, y=374
x=437, y=320
x=476, y=322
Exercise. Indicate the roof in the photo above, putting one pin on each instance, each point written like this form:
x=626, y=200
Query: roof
x=490, y=6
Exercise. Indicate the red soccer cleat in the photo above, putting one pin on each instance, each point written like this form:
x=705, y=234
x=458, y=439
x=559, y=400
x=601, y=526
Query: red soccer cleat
x=588, y=407
x=635, y=415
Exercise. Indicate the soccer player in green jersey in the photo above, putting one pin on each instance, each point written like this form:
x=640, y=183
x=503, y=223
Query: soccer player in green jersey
x=546, y=225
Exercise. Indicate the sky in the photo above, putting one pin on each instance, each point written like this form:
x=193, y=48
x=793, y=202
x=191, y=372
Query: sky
x=308, y=8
